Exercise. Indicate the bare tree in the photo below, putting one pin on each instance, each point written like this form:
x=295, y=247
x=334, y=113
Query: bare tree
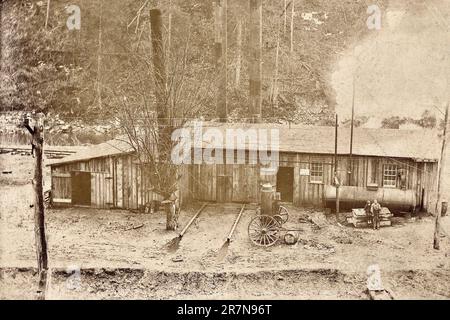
x=149, y=115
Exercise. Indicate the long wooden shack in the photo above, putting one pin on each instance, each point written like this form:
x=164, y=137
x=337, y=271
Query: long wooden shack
x=393, y=163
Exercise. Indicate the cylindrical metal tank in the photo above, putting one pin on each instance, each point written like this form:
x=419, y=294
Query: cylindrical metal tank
x=355, y=197
x=267, y=199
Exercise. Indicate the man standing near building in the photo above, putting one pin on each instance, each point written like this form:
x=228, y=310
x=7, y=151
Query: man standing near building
x=376, y=210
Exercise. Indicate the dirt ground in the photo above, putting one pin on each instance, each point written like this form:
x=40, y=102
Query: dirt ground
x=124, y=255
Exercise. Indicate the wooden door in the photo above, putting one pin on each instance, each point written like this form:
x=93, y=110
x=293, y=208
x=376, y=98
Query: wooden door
x=285, y=183
x=61, y=188
x=81, y=188
x=224, y=187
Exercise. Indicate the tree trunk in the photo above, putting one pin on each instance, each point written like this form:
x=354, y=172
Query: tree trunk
x=172, y=208
x=171, y=215
x=442, y=164
x=285, y=17
x=162, y=109
x=169, y=31
x=159, y=65
x=238, y=51
x=255, y=71
x=99, y=57
x=275, y=81
x=292, y=26
x=221, y=57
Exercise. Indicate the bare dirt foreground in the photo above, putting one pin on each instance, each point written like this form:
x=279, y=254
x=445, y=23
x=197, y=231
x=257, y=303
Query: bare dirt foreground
x=123, y=255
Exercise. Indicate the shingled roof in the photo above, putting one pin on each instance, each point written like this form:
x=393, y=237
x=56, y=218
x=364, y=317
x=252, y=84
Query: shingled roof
x=421, y=145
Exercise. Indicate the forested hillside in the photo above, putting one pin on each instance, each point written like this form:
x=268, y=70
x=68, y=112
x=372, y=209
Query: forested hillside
x=84, y=73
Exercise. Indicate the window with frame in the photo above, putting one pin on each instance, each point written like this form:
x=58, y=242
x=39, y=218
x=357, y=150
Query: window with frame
x=316, y=172
x=390, y=173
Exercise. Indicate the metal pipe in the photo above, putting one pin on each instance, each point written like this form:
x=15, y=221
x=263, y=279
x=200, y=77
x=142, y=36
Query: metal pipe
x=235, y=223
x=192, y=220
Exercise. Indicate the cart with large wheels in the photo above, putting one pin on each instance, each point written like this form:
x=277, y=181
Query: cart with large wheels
x=265, y=231
x=282, y=215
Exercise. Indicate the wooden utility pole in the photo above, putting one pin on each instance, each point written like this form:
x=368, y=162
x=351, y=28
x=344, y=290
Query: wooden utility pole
x=440, y=182
x=336, y=177
x=255, y=71
x=221, y=44
x=350, y=171
x=37, y=143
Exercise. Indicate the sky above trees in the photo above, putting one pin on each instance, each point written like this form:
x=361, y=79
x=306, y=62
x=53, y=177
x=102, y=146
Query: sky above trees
x=402, y=69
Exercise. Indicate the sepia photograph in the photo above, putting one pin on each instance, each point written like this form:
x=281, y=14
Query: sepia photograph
x=224, y=150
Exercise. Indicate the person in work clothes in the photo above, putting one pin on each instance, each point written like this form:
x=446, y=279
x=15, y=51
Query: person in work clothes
x=376, y=210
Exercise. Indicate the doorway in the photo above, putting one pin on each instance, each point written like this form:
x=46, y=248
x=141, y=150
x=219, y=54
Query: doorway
x=224, y=190
x=81, y=188
x=285, y=183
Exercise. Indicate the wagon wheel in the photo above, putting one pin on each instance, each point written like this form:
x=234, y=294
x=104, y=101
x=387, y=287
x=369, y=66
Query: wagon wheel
x=284, y=214
x=263, y=230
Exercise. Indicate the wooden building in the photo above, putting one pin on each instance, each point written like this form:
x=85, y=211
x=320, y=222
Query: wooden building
x=103, y=176
x=107, y=176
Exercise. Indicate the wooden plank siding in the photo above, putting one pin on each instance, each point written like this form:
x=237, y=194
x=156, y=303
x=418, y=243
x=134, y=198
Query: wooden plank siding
x=119, y=182
x=116, y=182
x=247, y=179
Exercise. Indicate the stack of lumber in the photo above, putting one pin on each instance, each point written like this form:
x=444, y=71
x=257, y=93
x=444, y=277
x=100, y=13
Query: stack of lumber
x=359, y=218
x=385, y=217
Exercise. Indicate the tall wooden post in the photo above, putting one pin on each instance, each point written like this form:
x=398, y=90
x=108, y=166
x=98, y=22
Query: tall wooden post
x=255, y=71
x=336, y=178
x=221, y=44
x=39, y=216
x=442, y=164
x=350, y=171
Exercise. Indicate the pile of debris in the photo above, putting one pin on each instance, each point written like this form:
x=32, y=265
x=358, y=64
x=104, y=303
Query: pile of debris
x=360, y=219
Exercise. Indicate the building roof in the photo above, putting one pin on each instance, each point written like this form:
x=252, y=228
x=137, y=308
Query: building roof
x=421, y=145
x=109, y=148
x=414, y=144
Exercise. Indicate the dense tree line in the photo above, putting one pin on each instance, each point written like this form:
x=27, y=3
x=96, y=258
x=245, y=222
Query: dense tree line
x=82, y=73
